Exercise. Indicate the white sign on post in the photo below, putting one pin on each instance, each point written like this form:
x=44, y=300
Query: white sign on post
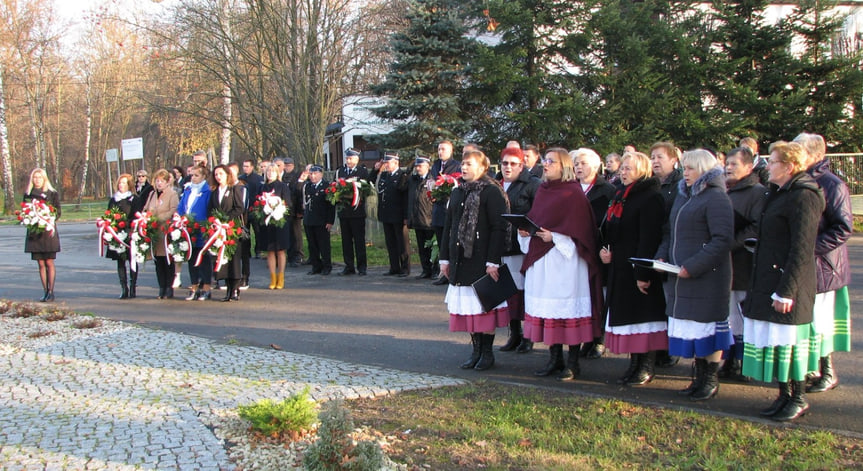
x=111, y=155
x=133, y=149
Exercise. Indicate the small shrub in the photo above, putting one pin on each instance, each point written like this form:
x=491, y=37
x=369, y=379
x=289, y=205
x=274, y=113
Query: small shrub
x=5, y=306
x=25, y=310
x=55, y=314
x=87, y=324
x=294, y=414
x=336, y=450
x=41, y=333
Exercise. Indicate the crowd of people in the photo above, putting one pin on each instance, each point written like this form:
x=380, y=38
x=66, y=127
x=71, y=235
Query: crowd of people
x=736, y=261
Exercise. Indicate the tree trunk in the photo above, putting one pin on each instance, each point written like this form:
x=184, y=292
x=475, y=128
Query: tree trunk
x=86, y=143
x=5, y=155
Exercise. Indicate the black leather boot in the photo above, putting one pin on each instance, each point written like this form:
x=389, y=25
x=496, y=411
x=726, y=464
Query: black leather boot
x=526, y=345
x=486, y=350
x=133, y=283
x=698, y=367
x=572, y=368
x=664, y=360
x=121, y=273
x=726, y=371
x=645, y=371
x=710, y=385
x=828, y=379
x=229, y=292
x=796, y=406
x=780, y=401
x=555, y=361
x=514, y=336
x=476, y=341
x=633, y=365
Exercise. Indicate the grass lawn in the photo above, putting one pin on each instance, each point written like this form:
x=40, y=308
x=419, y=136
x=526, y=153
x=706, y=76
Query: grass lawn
x=494, y=426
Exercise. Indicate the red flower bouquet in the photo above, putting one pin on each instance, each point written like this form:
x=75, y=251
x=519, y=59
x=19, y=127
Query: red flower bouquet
x=113, y=232
x=223, y=236
x=38, y=216
x=443, y=186
x=348, y=192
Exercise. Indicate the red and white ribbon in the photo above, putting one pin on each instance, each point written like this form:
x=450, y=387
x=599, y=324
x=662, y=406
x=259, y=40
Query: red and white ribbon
x=179, y=223
x=104, y=226
x=139, y=226
x=220, y=233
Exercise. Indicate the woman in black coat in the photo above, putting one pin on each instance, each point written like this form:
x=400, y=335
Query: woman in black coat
x=276, y=240
x=228, y=200
x=637, y=323
x=124, y=200
x=777, y=322
x=43, y=247
x=474, y=240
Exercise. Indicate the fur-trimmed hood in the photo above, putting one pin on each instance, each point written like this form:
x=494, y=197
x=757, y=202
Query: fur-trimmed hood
x=715, y=177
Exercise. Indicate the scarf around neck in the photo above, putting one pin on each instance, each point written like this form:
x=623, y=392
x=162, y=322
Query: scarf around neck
x=470, y=216
x=118, y=196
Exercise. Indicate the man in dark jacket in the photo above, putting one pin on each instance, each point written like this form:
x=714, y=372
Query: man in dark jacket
x=831, y=260
x=531, y=160
x=291, y=176
x=352, y=220
x=444, y=165
x=392, y=191
x=318, y=218
x=254, y=185
x=420, y=212
x=747, y=199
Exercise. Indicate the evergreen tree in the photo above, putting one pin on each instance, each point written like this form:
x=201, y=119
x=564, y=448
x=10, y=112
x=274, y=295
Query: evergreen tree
x=425, y=84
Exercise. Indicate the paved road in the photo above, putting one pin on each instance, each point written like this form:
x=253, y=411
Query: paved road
x=385, y=322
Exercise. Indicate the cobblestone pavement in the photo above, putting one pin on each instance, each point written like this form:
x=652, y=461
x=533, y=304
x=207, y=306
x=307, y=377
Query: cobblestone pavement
x=134, y=398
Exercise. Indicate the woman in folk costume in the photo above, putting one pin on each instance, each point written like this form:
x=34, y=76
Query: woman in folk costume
x=777, y=314
x=474, y=239
x=563, y=280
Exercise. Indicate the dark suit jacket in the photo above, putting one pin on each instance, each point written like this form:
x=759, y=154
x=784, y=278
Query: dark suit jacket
x=439, y=167
x=317, y=211
x=392, y=191
x=362, y=173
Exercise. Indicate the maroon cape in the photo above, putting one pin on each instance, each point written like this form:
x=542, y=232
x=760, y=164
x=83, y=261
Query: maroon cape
x=562, y=207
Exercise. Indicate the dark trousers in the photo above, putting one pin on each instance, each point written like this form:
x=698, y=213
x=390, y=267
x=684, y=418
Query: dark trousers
x=320, y=254
x=424, y=236
x=295, y=254
x=394, y=234
x=202, y=274
x=164, y=273
x=260, y=246
x=354, y=240
x=438, y=237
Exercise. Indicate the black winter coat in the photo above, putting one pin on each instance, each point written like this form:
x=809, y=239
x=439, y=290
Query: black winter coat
x=834, y=230
x=747, y=200
x=520, y=193
x=785, y=255
x=419, y=202
x=670, y=188
x=701, y=229
x=599, y=195
x=232, y=205
x=490, y=234
x=361, y=173
x=44, y=242
x=127, y=206
x=637, y=233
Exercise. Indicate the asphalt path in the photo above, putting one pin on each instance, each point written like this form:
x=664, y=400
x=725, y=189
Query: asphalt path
x=389, y=322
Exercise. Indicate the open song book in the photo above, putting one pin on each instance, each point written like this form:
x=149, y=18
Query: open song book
x=655, y=264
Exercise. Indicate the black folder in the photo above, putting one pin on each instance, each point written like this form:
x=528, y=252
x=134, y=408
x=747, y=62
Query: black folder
x=522, y=222
x=491, y=293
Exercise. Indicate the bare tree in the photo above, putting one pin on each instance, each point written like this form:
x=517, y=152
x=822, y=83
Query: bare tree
x=5, y=155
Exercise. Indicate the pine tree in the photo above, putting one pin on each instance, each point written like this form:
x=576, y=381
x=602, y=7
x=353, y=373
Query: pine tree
x=425, y=84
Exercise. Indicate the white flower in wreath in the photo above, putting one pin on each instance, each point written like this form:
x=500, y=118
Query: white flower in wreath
x=179, y=258
x=175, y=234
x=218, y=243
x=122, y=235
x=107, y=237
x=184, y=246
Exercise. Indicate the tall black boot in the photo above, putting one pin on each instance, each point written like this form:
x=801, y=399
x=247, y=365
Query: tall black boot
x=710, y=385
x=645, y=371
x=526, y=345
x=698, y=368
x=514, y=336
x=555, y=361
x=780, y=401
x=796, y=406
x=828, y=379
x=486, y=350
x=121, y=273
x=229, y=292
x=728, y=365
x=475, y=340
x=572, y=368
x=133, y=282
x=634, y=359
